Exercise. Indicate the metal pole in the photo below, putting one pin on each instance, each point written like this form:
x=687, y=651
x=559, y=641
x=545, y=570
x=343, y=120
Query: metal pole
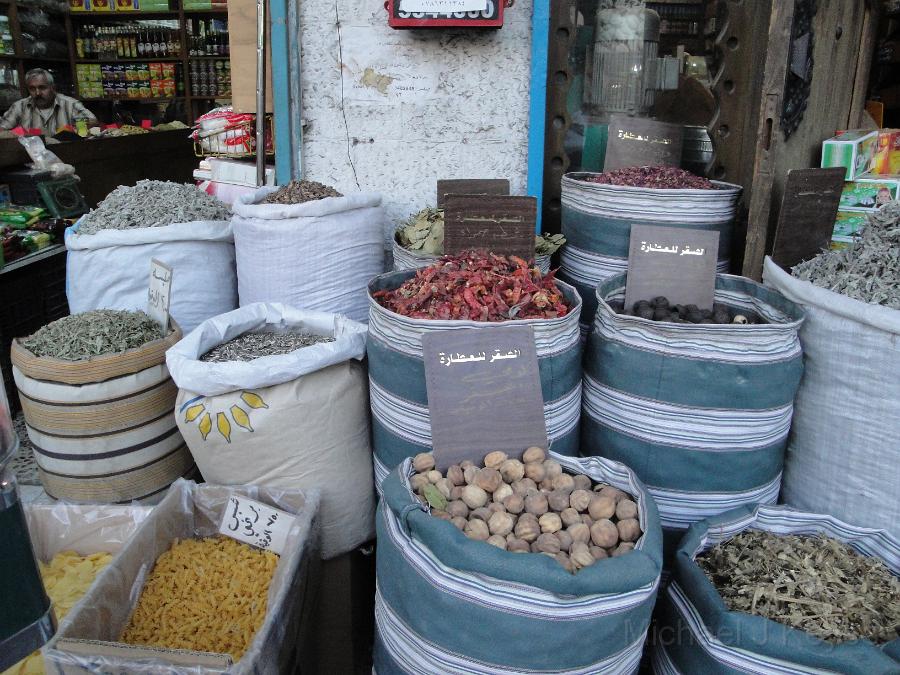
x=260, y=92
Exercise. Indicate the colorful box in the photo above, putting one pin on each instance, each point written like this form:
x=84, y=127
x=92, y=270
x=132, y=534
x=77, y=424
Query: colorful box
x=79, y=5
x=848, y=225
x=100, y=5
x=887, y=152
x=870, y=192
x=853, y=150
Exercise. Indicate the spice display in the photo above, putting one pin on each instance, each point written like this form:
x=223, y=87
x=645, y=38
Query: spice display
x=815, y=584
x=659, y=309
x=531, y=506
x=204, y=594
x=868, y=269
x=250, y=346
x=100, y=331
x=656, y=177
x=300, y=191
x=424, y=234
x=477, y=286
x=152, y=203
x=66, y=578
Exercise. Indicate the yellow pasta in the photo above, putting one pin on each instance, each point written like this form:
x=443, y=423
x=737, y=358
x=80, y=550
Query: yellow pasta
x=208, y=595
x=67, y=578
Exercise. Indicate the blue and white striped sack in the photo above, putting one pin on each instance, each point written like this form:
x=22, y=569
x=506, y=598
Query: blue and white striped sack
x=701, y=412
x=597, y=220
x=448, y=604
x=401, y=425
x=696, y=633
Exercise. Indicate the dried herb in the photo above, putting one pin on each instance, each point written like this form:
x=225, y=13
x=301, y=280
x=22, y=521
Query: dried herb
x=100, y=331
x=250, y=346
x=300, y=191
x=152, y=203
x=815, y=584
x=867, y=270
x=657, y=177
x=548, y=244
x=477, y=286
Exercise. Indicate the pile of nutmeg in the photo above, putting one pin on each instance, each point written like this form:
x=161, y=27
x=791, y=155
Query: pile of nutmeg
x=530, y=506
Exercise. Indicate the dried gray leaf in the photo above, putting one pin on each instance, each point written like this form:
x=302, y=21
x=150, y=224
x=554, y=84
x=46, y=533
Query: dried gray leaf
x=94, y=333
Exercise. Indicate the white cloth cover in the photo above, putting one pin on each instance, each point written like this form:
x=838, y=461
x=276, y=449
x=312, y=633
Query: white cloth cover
x=293, y=421
x=319, y=255
x=111, y=269
x=843, y=457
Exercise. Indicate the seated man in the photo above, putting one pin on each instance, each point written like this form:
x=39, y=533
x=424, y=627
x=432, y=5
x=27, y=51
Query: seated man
x=44, y=108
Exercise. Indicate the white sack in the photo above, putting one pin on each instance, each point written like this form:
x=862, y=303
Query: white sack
x=843, y=456
x=319, y=255
x=111, y=269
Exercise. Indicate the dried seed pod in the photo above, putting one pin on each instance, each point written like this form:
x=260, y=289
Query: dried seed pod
x=601, y=507
x=536, y=504
x=455, y=475
x=626, y=509
x=599, y=552
x=536, y=472
x=558, y=500
x=604, y=533
x=440, y=514
x=629, y=530
x=515, y=504
x=488, y=479
x=550, y=522
x=501, y=523
x=477, y=529
x=546, y=485
x=527, y=528
x=586, y=519
x=524, y=486
x=622, y=549
x=564, y=560
x=552, y=468
x=460, y=523
x=423, y=462
x=580, y=555
x=474, y=496
x=466, y=463
x=579, y=532
x=570, y=516
x=498, y=541
x=512, y=470
x=548, y=543
x=534, y=454
x=482, y=513
x=456, y=493
x=444, y=486
x=496, y=507
x=418, y=482
x=469, y=474
x=565, y=540
x=582, y=482
x=493, y=460
x=580, y=500
x=563, y=482
x=517, y=545
x=458, y=509
x=613, y=493
x=434, y=476
x=502, y=493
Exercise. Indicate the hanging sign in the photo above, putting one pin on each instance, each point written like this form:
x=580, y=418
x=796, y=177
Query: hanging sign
x=471, y=186
x=255, y=523
x=637, y=141
x=160, y=293
x=484, y=392
x=445, y=13
x=501, y=224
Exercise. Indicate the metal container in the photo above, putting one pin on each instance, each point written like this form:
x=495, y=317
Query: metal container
x=697, y=152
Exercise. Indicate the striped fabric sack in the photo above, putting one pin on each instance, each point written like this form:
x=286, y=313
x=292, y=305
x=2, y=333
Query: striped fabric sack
x=400, y=423
x=103, y=429
x=597, y=220
x=404, y=259
x=700, y=412
x=447, y=604
x=697, y=634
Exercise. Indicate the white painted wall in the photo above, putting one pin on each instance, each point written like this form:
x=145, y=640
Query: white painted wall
x=461, y=112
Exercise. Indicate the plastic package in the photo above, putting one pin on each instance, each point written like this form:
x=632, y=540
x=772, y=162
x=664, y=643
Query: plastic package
x=42, y=158
x=190, y=510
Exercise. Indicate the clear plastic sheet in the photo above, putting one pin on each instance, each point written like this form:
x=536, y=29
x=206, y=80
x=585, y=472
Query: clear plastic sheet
x=191, y=510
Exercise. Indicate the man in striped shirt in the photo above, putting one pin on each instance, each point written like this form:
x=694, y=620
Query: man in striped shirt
x=44, y=108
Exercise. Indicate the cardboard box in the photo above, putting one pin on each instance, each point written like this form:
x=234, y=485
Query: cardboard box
x=853, y=150
x=848, y=224
x=242, y=37
x=887, y=153
x=869, y=192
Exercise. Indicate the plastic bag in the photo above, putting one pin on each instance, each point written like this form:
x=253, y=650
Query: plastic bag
x=42, y=158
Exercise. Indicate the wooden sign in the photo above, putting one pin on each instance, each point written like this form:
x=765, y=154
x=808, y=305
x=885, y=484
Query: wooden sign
x=159, y=294
x=484, y=392
x=806, y=219
x=502, y=224
x=637, y=141
x=471, y=186
x=674, y=262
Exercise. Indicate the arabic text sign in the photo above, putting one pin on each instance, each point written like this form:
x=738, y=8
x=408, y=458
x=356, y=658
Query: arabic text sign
x=675, y=262
x=160, y=292
x=442, y=6
x=501, y=224
x=470, y=186
x=636, y=141
x=256, y=523
x=484, y=392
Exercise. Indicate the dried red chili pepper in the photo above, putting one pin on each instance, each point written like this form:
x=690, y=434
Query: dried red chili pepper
x=657, y=177
x=477, y=286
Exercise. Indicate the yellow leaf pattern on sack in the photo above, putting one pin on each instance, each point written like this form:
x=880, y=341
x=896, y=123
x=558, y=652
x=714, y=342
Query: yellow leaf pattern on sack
x=193, y=412
x=205, y=426
x=224, y=426
x=253, y=400
x=241, y=418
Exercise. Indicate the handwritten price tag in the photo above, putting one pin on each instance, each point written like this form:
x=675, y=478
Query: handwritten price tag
x=256, y=524
x=159, y=293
